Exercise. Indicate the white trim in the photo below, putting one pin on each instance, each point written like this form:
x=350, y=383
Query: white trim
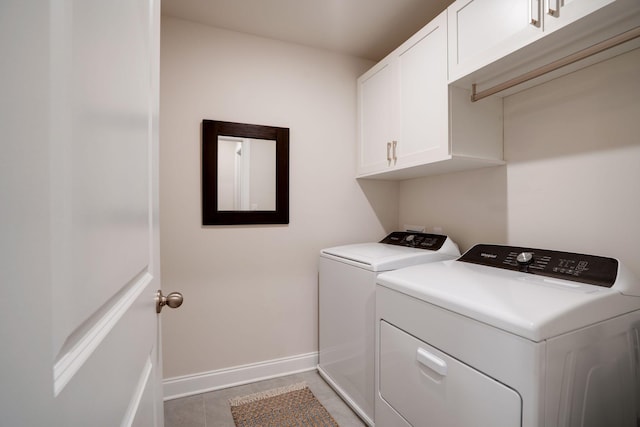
x=72, y=360
x=188, y=385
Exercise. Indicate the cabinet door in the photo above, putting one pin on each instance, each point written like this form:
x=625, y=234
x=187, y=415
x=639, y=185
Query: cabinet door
x=423, y=135
x=376, y=91
x=482, y=31
x=558, y=13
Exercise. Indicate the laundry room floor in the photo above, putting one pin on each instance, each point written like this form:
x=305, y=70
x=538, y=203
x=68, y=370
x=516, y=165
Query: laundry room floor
x=212, y=409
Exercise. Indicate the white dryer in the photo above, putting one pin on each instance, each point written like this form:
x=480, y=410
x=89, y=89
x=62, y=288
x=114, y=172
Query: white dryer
x=347, y=283
x=508, y=336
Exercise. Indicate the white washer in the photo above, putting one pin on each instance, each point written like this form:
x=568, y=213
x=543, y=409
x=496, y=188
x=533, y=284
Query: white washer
x=508, y=336
x=347, y=283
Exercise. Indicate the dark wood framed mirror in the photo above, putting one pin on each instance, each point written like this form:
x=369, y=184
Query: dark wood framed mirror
x=245, y=173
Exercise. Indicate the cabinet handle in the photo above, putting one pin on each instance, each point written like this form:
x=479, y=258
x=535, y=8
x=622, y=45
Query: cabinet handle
x=388, y=152
x=553, y=10
x=394, y=145
x=534, y=7
x=431, y=361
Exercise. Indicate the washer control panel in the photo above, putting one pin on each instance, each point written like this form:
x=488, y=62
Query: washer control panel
x=590, y=269
x=415, y=240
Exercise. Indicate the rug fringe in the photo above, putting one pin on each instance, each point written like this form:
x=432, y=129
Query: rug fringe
x=237, y=401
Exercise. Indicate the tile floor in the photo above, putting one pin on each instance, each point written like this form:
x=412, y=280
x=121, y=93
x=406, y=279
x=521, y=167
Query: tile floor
x=212, y=409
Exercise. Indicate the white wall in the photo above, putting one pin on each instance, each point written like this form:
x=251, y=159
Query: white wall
x=251, y=291
x=572, y=179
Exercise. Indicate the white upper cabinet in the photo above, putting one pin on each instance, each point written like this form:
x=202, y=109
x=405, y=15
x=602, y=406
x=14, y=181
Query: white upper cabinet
x=404, y=106
x=376, y=112
x=494, y=41
x=415, y=114
x=422, y=89
x=482, y=31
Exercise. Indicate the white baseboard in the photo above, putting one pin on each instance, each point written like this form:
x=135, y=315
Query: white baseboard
x=188, y=385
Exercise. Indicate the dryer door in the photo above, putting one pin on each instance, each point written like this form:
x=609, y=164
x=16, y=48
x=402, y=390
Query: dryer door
x=429, y=388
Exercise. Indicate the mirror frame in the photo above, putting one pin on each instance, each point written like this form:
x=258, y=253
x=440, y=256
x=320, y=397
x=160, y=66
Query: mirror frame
x=211, y=130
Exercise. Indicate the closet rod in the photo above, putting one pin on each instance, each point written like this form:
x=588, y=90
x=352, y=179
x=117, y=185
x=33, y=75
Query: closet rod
x=567, y=60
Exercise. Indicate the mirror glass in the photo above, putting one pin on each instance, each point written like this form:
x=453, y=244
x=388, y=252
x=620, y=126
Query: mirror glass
x=245, y=174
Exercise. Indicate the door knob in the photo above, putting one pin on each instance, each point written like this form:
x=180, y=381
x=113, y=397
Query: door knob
x=173, y=300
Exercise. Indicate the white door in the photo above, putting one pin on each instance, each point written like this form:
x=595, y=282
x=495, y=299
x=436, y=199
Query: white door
x=78, y=213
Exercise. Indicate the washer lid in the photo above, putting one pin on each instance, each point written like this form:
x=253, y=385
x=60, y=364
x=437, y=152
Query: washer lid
x=383, y=257
x=531, y=306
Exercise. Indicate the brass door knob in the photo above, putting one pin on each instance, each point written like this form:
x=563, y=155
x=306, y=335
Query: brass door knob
x=173, y=300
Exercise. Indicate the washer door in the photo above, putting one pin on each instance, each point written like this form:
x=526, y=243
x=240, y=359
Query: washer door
x=429, y=388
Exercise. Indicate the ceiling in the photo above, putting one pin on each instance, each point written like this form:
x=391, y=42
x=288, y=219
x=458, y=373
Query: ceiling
x=364, y=28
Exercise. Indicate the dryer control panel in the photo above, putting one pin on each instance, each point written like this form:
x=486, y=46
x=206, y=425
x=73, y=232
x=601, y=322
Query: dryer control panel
x=415, y=240
x=589, y=269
